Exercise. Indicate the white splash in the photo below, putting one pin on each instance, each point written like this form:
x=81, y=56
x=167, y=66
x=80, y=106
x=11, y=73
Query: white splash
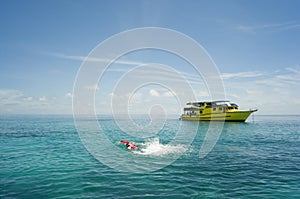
x=155, y=148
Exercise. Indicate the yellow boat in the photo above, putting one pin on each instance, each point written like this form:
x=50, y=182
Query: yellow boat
x=215, y=111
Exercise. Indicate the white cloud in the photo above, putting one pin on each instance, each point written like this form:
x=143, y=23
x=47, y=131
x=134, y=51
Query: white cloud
x=69, y=95
x=270, y=93
x=154, y=93
x=296, y=71
x=203, y=94
x=43, y=98
x=28, y=98
x=253, y=92
x=269, y=27
x=162, y=73
x=9, y=97
x=169, y=94
x=136, y=98
x=92, y=87
x=96, y=59
x=16, y=102
x=284, y=78
x=249, y=74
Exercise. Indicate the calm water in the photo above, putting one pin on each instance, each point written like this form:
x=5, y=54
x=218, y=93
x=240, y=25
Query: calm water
x=43, y=157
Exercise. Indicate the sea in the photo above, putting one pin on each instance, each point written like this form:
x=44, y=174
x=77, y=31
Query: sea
x=52, y=156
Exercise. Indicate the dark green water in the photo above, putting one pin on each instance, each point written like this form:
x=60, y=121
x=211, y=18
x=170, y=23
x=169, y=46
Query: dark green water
x=43, y=157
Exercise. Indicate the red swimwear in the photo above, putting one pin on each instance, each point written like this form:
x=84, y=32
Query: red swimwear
x=129, y=145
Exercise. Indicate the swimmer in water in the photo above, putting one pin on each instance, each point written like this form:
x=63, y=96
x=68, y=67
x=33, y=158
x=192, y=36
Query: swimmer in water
x=129, y=145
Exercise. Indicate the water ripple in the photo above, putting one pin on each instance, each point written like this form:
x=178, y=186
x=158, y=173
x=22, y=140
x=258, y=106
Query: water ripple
x=44, y=158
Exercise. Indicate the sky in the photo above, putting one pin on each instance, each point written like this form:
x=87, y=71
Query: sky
x=254, y=44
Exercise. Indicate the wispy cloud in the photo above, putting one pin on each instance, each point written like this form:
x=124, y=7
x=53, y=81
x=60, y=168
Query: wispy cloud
x=169, y=94
x=95, y=59
x=154, y=93
x=280, y=78
x=268, y=92
x=43, y=98
x=284, y=78
x=92, y=87
x=9, y=97
x=162, y=73
x=15, y=101
x=269, y=27
x=69, y=95
x=296, y=71
x=241, y=75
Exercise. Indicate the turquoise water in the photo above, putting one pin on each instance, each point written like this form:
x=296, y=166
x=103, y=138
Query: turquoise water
x=43, y=157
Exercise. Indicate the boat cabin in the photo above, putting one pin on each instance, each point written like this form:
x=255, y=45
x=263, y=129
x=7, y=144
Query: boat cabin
x=197, y=108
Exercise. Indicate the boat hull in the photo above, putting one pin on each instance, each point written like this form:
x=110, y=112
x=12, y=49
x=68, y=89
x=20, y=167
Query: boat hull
x=233, y=116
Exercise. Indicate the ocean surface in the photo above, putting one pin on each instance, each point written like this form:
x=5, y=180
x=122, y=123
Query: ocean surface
x=45, y=157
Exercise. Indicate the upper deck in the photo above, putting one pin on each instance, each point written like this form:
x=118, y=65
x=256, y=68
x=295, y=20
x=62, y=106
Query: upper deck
x=210, y=104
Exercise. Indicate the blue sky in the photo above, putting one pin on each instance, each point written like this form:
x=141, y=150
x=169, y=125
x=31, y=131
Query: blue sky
x=255, y=45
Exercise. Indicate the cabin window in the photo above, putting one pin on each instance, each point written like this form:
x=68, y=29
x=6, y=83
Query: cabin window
x=214, y=109
x=196, y=104
x=220, y=108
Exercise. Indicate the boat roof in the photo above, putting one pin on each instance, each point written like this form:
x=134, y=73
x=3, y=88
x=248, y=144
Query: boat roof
x=221, y=101
x=218, y=101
